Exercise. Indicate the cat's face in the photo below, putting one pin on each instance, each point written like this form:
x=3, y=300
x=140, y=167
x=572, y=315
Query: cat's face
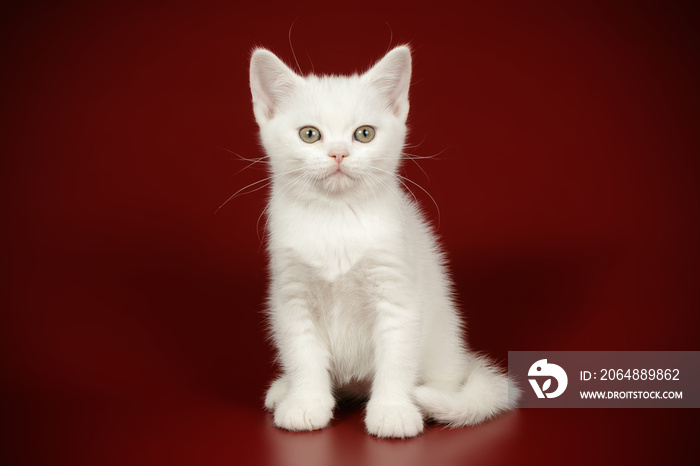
x=332, y=135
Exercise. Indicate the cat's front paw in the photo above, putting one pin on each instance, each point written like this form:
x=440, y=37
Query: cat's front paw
x=393, y=420
x=300, y=414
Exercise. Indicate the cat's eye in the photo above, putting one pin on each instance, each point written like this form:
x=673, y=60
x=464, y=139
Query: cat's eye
x=309, y=134
x=364, y=134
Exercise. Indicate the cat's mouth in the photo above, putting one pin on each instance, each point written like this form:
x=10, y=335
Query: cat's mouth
x=338, y=179
x=339, y=172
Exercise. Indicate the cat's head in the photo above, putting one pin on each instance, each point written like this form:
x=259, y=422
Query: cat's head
x=332, y=135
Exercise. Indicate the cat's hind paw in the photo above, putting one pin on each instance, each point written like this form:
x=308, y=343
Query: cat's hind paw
x=400, y=420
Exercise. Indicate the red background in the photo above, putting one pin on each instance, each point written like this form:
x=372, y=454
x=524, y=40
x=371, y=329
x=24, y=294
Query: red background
x=565, y=171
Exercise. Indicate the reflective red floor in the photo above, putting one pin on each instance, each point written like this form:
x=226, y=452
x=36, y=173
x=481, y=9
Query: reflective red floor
x=223, y=434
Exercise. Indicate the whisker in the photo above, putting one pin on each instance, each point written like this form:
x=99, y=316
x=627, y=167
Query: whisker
x=279, y=195
x=309, y=177
x=400, y=178
x=268, y=179
x=391, y=36
x=419, y=167
x=247, y=166
x=313, y=69
x=292, y=47
x=414, y=158
x=414, y=146
x=428, y=194
x=408, y=155
x=245, y=159
x=392, y=191
x=433, y=156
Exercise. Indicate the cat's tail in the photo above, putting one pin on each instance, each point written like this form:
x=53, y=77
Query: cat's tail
x=485, y=392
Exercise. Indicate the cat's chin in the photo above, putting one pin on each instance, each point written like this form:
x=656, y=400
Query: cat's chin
x=338, y=182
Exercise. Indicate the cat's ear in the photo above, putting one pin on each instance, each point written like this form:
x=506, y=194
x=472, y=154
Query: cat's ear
x=391, y=76
x=270, y=81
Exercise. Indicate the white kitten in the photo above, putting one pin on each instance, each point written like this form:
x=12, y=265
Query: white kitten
x=359, y=292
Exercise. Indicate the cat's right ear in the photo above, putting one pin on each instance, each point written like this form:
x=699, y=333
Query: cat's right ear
x=270, y=80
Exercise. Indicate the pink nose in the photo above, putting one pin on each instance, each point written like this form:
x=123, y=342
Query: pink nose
x=338, y=156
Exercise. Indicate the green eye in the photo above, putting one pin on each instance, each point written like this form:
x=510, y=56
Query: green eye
x=364, y=134
x=309, y=134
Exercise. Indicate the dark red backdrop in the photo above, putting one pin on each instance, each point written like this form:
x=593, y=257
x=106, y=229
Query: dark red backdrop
x=565, y=171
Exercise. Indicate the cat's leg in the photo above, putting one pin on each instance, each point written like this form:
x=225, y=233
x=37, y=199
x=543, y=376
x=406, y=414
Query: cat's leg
x=444, y=360
x=444, y=367
x=302, y=398
x=391, y=412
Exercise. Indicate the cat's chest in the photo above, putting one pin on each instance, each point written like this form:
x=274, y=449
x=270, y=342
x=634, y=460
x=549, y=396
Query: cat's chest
x=333, y=242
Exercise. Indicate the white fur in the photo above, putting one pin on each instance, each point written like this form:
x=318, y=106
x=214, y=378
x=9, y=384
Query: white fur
x=359, y=292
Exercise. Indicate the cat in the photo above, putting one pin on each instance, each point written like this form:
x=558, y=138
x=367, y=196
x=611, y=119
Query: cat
x=359, y=298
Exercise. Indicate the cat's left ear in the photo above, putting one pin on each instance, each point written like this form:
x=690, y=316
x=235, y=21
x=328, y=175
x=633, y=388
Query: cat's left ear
x=391, y=76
